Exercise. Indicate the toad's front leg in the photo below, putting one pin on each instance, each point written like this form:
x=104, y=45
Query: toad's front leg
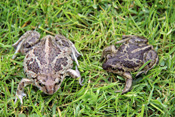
x=20, y=90
x=75, y=74
x=128, y=82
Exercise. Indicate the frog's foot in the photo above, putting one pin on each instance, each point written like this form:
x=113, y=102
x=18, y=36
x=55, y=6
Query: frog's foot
x=20, y=90
x=76, y=74
x=20, y=96
x=140, y=72
x=118, y=91
x=75, y=57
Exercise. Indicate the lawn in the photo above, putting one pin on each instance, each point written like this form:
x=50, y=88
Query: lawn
x=91, y=25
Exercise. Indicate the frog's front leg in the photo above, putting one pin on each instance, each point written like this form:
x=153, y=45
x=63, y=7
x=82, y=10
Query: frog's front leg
x=26, y=42
x=20, y=90
x=128, y=82
x=75, y=74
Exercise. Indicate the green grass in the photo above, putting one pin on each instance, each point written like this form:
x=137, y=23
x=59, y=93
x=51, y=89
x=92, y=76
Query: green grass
x=91, y=25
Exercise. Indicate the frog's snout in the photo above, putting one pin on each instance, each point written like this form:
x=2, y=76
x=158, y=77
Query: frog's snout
x=105, y=66
x=50, y=89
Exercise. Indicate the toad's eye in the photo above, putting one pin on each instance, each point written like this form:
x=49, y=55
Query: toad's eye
x=113, y=68
x=40, y=84
x=58, y=83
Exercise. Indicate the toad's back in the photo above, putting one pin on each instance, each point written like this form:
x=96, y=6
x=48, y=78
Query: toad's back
x=129, y=57
x=46, y=58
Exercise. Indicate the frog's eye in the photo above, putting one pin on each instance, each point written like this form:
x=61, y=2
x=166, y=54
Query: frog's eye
x=113, y=68
x=58, y=83
x=40, y=84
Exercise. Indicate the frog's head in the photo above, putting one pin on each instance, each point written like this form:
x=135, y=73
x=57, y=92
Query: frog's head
x=48, y=83
x=113, y=65
x=108, y=65
x=107, y=52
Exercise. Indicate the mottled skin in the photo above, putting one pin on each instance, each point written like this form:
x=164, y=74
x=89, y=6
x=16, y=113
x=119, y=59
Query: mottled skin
x=129, y=57
x=47, y=62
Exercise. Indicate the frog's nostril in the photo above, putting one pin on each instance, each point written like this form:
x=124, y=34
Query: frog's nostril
x=50, y=89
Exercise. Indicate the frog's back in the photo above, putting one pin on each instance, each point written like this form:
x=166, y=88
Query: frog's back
x=46, y=58
x=129, y=57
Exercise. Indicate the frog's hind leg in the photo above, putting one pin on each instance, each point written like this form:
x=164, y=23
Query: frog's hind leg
x=64, y=42
x=25, y=42
x=149, y=56
x=125, y=38
x=74, y=56
x=75, y=74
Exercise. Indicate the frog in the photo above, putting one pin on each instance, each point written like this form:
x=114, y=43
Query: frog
x=47, y=62
x=133, y=53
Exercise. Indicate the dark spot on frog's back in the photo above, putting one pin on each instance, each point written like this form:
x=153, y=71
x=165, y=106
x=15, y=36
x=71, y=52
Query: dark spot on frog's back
x=40, y=53
x=129, y=64
x=57, y=67
x=59, y=62
x=53, y=53
x=32, y=65
x=65, y=61
x=65, y=43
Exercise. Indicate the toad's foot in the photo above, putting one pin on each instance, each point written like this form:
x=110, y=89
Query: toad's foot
x=20, y=90
x=20, y=96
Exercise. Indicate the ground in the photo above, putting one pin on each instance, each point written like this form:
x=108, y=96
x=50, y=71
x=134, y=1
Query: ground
x=91, y=25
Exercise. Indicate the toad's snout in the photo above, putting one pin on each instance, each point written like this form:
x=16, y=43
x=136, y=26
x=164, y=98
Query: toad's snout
x=50, y=89
x=105, y=66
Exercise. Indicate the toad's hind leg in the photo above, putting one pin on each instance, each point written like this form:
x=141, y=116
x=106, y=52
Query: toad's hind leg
x=64, y=42
x=153, y=58
x=75, y=74
x=151, y=55
x=20, y=90
x=25, y=42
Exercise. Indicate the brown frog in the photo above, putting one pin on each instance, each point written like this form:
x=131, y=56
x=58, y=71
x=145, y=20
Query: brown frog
x=129, y=57
x=47, y=62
